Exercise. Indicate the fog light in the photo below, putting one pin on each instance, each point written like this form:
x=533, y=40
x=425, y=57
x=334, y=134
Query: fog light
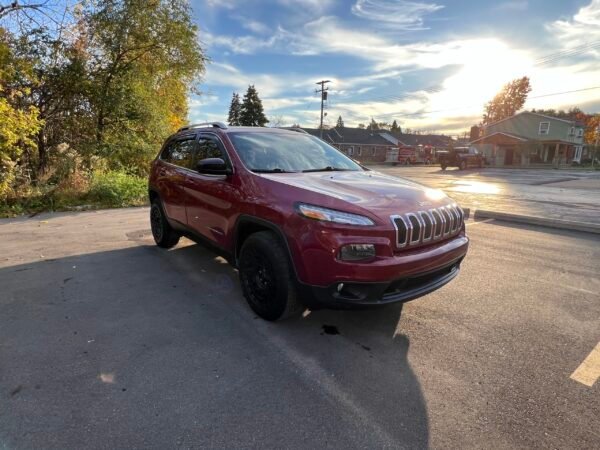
x=356, y=252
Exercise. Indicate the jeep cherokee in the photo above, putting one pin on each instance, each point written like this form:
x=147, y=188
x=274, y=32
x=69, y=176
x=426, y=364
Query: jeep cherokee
x=303, y=223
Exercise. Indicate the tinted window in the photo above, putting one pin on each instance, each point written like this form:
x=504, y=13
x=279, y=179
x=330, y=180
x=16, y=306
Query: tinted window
x=180, y=153
x=209, y=147
x=289, y=152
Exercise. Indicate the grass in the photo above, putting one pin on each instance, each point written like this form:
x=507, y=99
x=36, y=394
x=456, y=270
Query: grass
x=113, y=189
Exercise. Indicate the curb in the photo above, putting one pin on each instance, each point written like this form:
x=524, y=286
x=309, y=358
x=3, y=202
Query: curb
x=585, y=227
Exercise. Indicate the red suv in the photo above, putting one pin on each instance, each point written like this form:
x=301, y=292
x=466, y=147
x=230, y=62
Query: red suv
x=304, y=224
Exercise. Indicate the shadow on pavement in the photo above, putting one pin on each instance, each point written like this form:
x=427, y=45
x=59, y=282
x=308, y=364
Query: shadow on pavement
x=141, y=347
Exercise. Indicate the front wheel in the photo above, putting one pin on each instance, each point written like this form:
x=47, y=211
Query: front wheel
x=267, y=279
x=444, y=166
x=164, y=235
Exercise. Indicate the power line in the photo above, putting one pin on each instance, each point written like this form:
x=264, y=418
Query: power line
x=401, y=114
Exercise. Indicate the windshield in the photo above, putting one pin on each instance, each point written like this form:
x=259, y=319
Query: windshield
x=287, y=152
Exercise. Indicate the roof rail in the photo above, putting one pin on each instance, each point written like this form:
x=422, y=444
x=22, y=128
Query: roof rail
x=296, y=129
x=203, y=124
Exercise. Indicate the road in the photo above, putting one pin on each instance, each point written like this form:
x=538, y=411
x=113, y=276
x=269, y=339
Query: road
x=107, y=341
x=572, y=195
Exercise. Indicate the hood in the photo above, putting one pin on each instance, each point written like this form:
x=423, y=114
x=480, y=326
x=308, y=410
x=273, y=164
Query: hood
x=367, y=189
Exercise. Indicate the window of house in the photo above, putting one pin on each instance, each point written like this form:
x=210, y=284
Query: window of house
x=580, y=132
x=350, y=151
x=180, y=152
x=359, y=151
x=572, y=131
x=544, y=128
x=373, y=151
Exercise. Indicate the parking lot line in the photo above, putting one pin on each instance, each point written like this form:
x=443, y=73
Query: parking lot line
x=589, y=370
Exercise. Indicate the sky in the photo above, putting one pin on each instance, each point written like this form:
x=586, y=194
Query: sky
x=429, y=65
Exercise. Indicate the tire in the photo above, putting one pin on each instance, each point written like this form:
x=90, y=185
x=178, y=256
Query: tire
x=164, y=235
x=444, y=166
x=267, y=279
x=462, y=165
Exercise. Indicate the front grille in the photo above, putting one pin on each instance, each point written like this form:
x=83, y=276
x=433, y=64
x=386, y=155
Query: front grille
x=425, y=226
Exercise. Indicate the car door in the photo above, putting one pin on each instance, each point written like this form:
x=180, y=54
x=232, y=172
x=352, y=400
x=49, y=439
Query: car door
x=175, y=161
x=210, y=198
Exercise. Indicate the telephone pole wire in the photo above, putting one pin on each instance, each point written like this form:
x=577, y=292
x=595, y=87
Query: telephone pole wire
x=323, y=92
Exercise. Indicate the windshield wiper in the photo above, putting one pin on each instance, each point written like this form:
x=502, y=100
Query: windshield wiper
x=327, y=169
x=276, y=170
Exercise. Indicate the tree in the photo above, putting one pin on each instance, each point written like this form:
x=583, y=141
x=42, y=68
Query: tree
x=373, y=125
x=508, y=101
x=144, y=58
x=340, y=122
x=396, y=128
x=252, y=114
x=361, y=126
x=235, y=110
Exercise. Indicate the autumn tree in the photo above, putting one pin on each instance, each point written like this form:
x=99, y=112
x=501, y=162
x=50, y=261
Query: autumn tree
x=508, y=101
x=235, y=110
x=252, y=113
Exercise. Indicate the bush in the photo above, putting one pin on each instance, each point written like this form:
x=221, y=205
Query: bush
x=118, y=189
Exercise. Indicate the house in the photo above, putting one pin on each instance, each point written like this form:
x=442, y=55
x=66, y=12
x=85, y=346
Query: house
x=530, y=138
x=376, y=146
x=364, y=145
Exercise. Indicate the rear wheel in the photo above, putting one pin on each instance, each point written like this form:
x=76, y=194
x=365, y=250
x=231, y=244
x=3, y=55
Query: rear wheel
x=267, y=279
x=164, y=235
x=444, y=166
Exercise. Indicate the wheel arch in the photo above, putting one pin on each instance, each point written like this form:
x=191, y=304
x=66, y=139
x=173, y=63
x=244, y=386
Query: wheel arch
x=247, y=225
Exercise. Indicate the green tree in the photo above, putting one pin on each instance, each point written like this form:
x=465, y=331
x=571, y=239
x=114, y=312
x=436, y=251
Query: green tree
x=340, y=122
x=145, y=58
x=508, y=101
x=235, y=110
x=373, y=125
x=252, y=114
x=19, y=122
x=396, y=128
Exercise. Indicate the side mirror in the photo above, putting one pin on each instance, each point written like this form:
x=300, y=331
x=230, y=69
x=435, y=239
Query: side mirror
x=212, y=166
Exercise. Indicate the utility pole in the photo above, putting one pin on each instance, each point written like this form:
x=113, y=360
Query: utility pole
x=323, y=92
x=597, y=142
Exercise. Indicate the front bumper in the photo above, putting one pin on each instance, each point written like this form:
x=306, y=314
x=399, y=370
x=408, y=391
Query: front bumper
x=400, y=290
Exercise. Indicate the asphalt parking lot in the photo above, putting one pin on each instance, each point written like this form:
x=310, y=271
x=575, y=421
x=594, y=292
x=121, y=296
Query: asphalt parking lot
x=572, y=195
x=107, y=341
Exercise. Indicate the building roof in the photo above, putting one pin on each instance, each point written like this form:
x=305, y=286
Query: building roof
x=345, y=135
x=573, y=122
x=513, y=136
x=362, y=136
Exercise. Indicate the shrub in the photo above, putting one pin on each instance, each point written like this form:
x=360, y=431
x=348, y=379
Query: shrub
x=117, y=189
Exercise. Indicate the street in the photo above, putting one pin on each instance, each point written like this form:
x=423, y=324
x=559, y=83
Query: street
x=107, y=341
x=572, y=195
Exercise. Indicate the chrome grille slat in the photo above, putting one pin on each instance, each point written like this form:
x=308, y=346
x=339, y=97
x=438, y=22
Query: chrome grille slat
x=435, y=224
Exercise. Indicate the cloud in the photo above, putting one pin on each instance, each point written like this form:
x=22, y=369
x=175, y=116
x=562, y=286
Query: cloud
x=252, y=25
x=583, y=28
x=404, y=15
x=517, y=5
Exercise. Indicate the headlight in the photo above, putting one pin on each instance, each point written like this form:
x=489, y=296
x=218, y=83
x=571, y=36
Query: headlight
x=331, y=215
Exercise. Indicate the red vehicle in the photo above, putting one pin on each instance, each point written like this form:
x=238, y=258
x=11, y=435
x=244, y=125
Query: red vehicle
x=416, y=155
x=304, y=224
